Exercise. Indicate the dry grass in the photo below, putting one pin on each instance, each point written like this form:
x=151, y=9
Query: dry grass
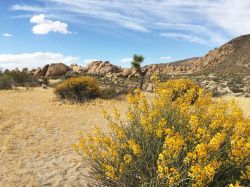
x=244, y=103
x=37, y=133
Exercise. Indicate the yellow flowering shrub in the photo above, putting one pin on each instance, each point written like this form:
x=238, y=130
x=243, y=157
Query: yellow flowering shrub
x=179, y=136
x=78, y=88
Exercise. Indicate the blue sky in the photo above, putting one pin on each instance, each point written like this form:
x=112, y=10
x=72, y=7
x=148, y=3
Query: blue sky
x=36, y=32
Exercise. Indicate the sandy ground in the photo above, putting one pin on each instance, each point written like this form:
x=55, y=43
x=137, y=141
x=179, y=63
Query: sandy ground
x=244, y=103
x=37, y=133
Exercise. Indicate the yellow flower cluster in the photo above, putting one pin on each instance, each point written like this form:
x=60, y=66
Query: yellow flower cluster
x=179, y=136
x=202, y=175
x=216, y=134
x=235, y=185
x=135, y=147
x=127, y=158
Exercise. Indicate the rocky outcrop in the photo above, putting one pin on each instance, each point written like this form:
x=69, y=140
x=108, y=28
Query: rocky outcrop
x=217, y=56
x=232, y=57
x=57, y=70
x=102, y=68
x=185, y=67
x=41, y=72
x=76, y=68
x=37, y=72
x=126, y=72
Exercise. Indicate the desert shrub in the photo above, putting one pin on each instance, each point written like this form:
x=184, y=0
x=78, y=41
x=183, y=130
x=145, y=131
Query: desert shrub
x=113, y=92
x=78, y=88
x=236, y=89
x=45, y=80
x=22, y=78
x=6, y=82
x=178, y=137
x=70, y=74
x=235, y=81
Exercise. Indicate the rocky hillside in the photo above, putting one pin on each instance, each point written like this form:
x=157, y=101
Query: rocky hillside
x=232, y=57
x=187, y=66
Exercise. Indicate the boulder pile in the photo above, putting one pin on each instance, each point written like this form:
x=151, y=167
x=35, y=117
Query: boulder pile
x=102, y=68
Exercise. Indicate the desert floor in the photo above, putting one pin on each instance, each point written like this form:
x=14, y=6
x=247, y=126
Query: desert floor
x=37, y=132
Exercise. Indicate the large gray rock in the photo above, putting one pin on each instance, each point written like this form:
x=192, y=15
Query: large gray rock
x=57, y=70
x=41, y=72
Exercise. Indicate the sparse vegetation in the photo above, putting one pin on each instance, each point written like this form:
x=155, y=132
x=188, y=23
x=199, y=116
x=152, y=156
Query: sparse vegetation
x=23, y=78
x=78, y=89
x=9, y=79
x=113, y=92
x=180, y=137
x=6, y=82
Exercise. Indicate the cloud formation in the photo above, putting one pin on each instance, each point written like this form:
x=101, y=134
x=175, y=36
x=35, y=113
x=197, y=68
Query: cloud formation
x=187, y=37
x=34, y=60
x=27, y=8
x=204, y=22
x=126, y=60
x=44, y=26
x=166, y=58
x=7, y=34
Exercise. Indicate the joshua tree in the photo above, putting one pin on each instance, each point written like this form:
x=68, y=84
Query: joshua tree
x=136, y=64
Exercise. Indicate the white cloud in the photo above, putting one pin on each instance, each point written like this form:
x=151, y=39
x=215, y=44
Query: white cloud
x=126, y=60
x=44, y=26
x=27, y=8
x=203, y=22
x=34, y=60
x=166, y=58
x=7, y=34
x=134, y=26
x=187, y=37
x=231, y=15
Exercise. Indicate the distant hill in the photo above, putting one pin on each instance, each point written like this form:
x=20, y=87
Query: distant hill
x=186, y=62
x=231, y=58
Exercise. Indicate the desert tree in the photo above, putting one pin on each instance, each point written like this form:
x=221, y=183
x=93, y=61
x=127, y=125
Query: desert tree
x=136, y=64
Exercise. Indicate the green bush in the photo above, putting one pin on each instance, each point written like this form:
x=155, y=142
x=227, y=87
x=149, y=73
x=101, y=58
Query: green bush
x=113, y=92
x=43, y=80
x=6, y=82
x=22, y=78
x=78, y=89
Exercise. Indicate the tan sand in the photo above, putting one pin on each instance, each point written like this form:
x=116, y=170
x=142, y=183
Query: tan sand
x=244, y=103
x=37, y=133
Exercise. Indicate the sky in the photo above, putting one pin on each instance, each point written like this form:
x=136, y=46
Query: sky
x=38, y=32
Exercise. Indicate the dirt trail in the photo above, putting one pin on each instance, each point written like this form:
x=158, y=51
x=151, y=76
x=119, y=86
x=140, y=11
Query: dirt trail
x=37, y=133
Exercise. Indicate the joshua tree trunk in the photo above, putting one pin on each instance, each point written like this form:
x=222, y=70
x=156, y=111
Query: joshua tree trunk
x=142, y=81
x=142, y=74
